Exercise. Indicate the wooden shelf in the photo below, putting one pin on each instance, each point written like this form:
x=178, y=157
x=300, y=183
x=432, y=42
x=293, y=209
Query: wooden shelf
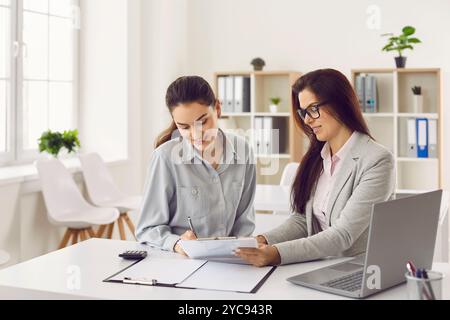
x=406, y=159
x=265, y=85
x=388, y=127
x=237, y=114
x=274, y=156
x=418, y=115
x=272, y=114
x=378, y=114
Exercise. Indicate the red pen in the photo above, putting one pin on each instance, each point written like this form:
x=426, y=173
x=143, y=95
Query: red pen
x=411, y=268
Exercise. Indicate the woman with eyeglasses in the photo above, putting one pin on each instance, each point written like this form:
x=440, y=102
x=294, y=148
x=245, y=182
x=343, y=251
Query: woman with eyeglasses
x=341, y=175
x=200, y=181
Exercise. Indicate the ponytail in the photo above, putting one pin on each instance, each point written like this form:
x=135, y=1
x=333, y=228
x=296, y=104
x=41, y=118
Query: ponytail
x=166, y=135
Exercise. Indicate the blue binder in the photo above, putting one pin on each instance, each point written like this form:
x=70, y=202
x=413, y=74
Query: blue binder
x=422, y=137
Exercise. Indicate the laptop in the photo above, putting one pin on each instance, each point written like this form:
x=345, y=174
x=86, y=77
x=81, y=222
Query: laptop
x=400, y=230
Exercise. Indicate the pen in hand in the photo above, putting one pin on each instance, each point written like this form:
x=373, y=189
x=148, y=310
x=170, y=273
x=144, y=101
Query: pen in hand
x=192, y=227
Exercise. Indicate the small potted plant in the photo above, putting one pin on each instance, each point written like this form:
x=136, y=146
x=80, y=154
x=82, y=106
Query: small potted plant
x=258, y=64
x=400, y=43
x=417, y=99
x=53, y=142
x=275, y=101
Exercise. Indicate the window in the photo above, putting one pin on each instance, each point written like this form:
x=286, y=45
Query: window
x=38, y=64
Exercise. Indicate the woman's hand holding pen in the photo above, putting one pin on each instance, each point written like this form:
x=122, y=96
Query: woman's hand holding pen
x=188, y=235
x=264, y=255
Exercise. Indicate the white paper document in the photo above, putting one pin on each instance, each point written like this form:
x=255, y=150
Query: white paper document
x=216, y=249
x=163, y=270
x=223, y=276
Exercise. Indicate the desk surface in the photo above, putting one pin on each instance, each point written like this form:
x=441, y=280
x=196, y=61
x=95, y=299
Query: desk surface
x=272, y=198
x=50, y=277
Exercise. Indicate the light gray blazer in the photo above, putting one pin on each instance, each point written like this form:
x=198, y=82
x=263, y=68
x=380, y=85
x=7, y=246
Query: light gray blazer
x=367, y=176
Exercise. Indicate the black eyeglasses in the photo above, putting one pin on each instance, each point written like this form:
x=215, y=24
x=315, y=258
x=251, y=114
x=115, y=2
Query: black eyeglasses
x=312, y=111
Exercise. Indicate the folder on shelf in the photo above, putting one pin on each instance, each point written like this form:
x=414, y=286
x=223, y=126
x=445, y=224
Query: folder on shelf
x=432, y=138
x=229, y=94
x=238, y=93
x=422, y=137
x=370, y=94
x=267, y=135
x=411, y=136
x=246, y=95
x=221, y=91
x=258, y=135
x=193, y=274
x=359, y=88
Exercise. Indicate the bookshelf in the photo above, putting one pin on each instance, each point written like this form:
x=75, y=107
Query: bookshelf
x=263, y=86
x=389, y=124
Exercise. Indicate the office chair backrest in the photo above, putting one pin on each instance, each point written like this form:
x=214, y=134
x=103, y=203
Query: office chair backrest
x=287, y=178
x=98, y=179
x=60, y=191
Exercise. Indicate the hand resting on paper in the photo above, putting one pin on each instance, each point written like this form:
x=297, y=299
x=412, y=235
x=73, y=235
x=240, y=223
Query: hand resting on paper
x=262, y=256
x=188, y=235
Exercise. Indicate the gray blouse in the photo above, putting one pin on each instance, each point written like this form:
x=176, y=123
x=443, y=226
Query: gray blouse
x=180, y=184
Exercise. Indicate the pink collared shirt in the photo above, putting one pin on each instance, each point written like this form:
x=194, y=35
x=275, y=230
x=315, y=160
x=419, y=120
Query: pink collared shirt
x=331, y=167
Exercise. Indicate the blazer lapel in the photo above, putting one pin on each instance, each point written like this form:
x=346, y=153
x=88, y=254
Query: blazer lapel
x=345, y=172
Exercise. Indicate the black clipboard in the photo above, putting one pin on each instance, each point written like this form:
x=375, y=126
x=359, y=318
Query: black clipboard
x=153, y=282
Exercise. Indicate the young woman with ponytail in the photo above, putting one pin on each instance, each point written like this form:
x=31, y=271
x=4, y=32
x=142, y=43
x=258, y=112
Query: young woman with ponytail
x=196, y=171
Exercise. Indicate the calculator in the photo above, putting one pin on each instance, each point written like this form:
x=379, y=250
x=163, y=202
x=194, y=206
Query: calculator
x=133, y=254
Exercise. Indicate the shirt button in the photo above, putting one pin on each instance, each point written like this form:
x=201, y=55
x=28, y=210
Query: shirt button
x=194, y=191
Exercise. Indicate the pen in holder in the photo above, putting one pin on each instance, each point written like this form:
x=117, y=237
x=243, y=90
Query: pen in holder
x=424, y=285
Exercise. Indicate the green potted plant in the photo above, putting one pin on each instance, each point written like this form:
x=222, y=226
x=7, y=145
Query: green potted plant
x=275, y=101
x=53, y=142
x=399, y=43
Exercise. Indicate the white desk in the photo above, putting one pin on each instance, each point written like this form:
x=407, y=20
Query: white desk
x=272, y=198
x=46, y=277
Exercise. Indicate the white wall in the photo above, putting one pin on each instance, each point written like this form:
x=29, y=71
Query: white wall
x=305, y=35
x=164, y=58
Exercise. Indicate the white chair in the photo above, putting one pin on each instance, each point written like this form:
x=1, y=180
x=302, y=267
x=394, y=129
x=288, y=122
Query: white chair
x=103, y=192
x=65, y=204
x=287, y=178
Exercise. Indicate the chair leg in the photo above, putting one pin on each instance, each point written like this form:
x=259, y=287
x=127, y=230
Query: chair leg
x=65, y=239
x=110, y=230
x=82, y=235
x=101, y=230
x=130, y=224
x=75, y=236
x=91, y=232
x=121, y=228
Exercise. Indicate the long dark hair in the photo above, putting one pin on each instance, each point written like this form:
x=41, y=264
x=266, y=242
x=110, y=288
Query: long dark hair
x=185, y=90
x=331, y=86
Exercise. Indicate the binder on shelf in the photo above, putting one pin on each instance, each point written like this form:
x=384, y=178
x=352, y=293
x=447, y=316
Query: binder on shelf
x=267, y=135
x=258, y=134
x=359, y=88
x=370, y=94
x=238, y=93
x=246, y=100
x=221, y=91
x=432, y=138
x=411, y=136
x=229, y=94
x=422, y=137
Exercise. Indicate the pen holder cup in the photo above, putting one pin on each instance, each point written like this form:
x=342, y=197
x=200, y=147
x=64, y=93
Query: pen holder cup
x=424, y=289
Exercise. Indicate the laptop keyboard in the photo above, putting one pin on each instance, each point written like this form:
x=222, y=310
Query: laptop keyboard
x=350, y=282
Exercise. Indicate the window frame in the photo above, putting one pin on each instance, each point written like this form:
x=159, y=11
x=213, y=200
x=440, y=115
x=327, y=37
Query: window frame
x=17, y=154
